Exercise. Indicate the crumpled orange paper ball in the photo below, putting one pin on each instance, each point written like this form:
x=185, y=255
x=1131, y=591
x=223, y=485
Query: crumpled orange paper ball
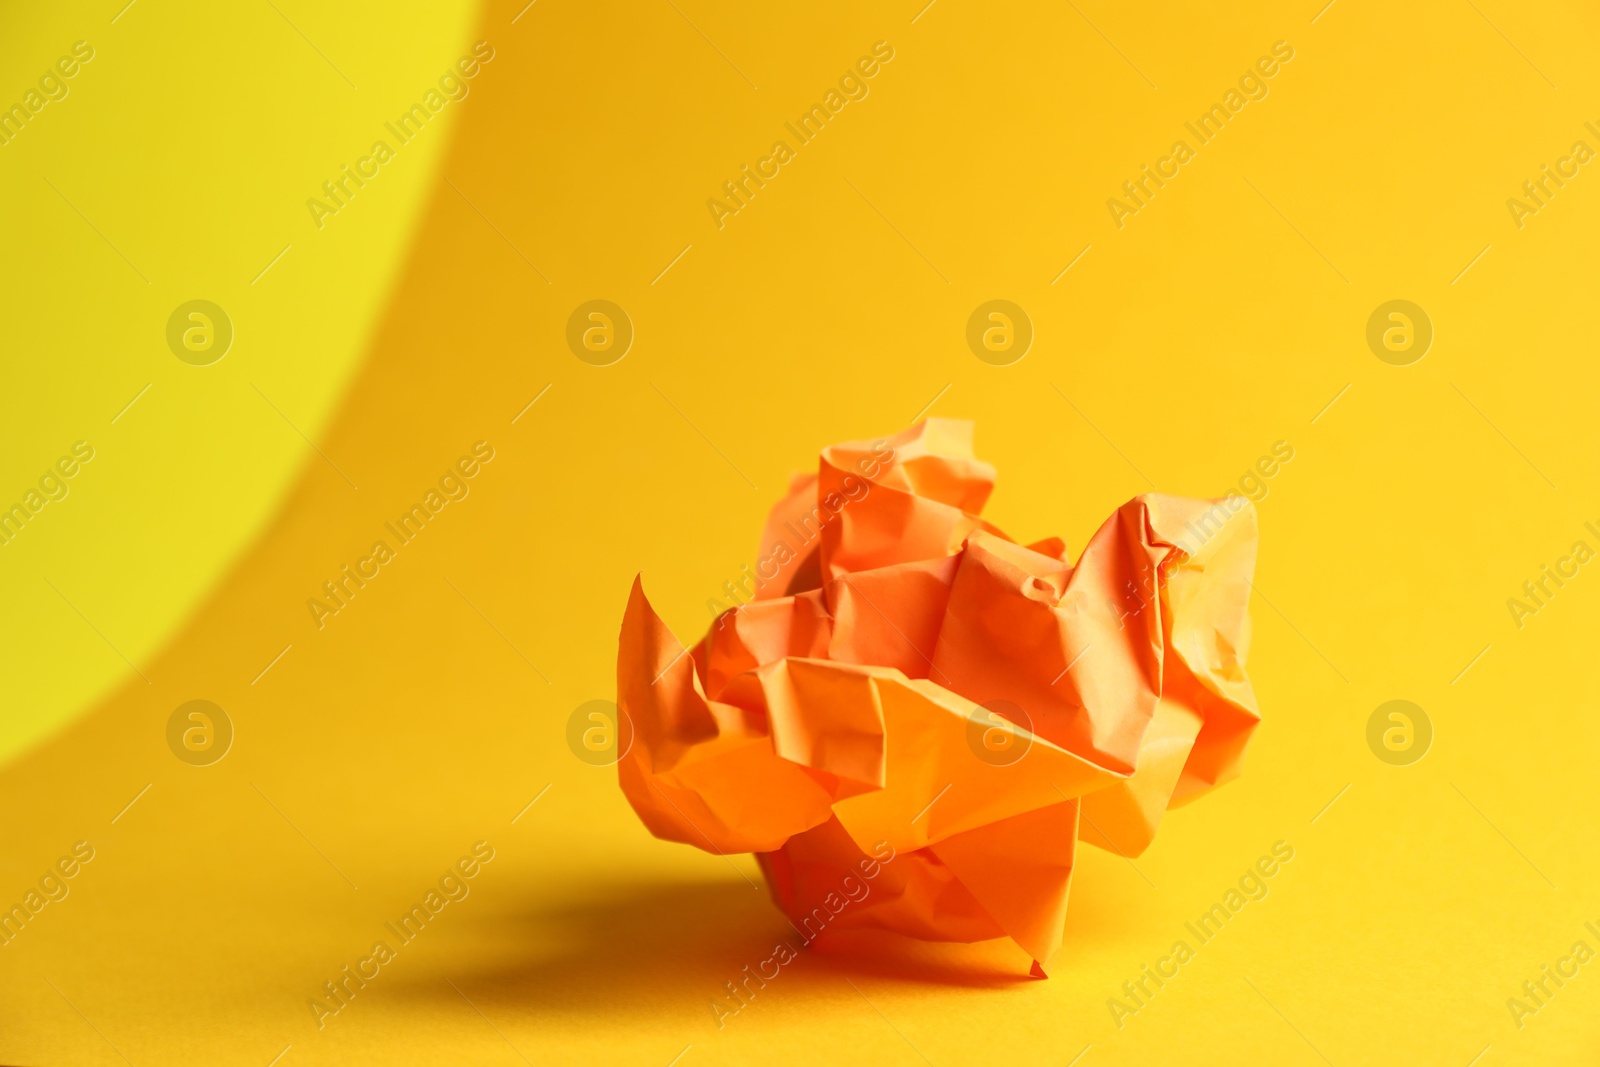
x=912, y=719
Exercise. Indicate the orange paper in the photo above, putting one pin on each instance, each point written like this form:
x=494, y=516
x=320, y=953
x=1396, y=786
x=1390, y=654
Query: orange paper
x=911, y=697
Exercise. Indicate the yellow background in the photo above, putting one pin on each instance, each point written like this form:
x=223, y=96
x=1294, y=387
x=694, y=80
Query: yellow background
x=1221, y=319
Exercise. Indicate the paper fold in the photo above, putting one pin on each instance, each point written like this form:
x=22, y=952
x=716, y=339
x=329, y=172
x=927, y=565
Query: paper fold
x=906, y=679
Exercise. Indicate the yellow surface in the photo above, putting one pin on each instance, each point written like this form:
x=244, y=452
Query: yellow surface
x=176, y=165
x=423, y=717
